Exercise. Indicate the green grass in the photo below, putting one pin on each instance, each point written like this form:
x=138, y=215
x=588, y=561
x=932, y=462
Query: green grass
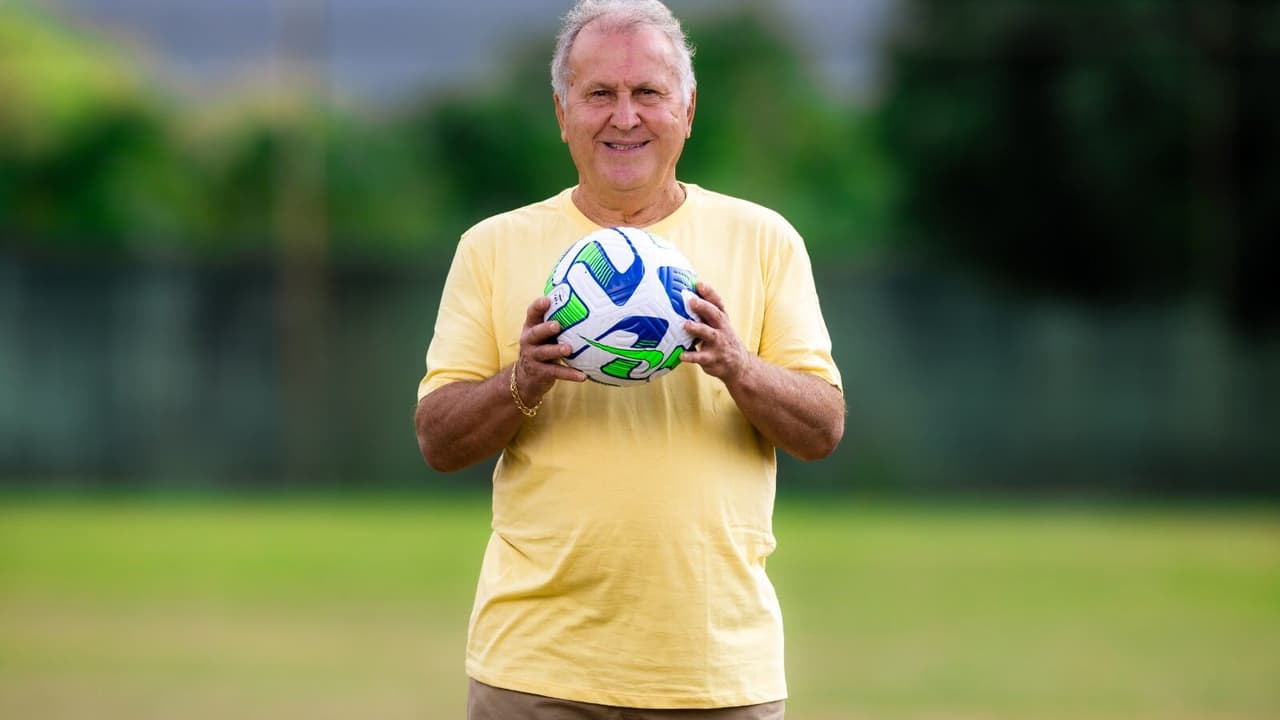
x=315, y=609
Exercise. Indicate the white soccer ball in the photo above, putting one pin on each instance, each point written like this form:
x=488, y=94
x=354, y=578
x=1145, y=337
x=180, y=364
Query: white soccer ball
x=621, y=296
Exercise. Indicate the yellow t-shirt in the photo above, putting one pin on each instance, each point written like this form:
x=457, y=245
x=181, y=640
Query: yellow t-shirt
x=631, y=525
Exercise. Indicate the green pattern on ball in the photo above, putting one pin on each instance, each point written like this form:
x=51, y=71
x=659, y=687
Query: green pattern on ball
x=673, y=359
x=597, y=262
x=631, y=358
x=620, y=368
x=573, y=312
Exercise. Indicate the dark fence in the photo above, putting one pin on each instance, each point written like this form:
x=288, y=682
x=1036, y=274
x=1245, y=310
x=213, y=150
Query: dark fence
x=173, y=376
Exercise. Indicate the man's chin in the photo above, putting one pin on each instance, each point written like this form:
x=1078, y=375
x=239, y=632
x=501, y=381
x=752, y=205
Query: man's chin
x=626, y=182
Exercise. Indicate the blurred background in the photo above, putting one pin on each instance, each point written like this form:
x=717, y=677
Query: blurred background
x=1045, y=235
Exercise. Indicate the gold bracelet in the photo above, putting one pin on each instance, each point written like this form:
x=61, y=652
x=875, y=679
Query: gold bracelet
x=515, y=393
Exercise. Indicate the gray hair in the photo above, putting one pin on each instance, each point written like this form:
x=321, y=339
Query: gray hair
x=622, y=14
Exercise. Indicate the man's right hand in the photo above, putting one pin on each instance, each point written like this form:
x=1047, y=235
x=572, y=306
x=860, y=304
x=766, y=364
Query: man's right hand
x=540, y=363
x=463, y=423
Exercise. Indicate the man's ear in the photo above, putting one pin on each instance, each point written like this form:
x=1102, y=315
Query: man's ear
x=564, y=137
x=688, y=123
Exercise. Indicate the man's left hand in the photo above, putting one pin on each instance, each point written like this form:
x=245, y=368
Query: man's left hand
x=798, y=412
x=719, y=352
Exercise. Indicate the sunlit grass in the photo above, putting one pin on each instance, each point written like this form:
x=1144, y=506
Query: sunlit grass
x=1031, y=613
x=330, y=609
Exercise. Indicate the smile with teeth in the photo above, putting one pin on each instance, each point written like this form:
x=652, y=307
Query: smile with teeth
x=626, y=146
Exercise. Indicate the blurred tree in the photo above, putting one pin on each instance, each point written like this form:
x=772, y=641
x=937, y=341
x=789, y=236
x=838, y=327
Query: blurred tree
x=766, y=131
x=382, y=204
x=88, y=162
x=491, y=149
x=1111, y=150
x=94, y=158
x=234, y=154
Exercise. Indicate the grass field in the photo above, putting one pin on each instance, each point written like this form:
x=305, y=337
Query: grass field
x=311, y=609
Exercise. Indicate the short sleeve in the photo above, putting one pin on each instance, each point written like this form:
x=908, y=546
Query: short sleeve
x=463, y=346
x=794, y=334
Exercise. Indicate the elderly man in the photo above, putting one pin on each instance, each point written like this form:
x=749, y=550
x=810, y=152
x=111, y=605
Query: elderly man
x=625, y=575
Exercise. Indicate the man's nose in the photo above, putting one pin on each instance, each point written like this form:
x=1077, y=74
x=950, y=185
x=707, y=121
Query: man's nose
x=625, y=113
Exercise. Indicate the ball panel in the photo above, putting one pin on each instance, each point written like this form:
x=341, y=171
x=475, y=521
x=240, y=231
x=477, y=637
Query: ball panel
x=566, y=307
x=603, y=259
x=678, y=282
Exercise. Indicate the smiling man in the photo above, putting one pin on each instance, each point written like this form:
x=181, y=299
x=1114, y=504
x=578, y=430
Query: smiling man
x=625, y=575
x=625, y=114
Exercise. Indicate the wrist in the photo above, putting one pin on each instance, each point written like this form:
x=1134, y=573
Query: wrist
x=524, y=402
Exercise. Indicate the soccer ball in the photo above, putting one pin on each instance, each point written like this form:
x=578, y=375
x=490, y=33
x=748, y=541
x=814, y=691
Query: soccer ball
x=621, y=296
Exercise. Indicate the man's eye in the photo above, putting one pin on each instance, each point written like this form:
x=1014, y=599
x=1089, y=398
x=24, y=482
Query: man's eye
x=599, y=93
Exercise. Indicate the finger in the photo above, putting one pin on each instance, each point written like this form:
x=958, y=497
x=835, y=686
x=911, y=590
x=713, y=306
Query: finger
x=549, y=352
x=707, y=312
x=551, y=369
x=564, y=372
x=537, y=311
x=541, y=333
x=536, y=331
x=701, y=330
x=710, y=294
x=695, y=357
x=709, y=307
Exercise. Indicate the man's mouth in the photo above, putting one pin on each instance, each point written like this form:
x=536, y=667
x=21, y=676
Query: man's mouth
x=624, y=147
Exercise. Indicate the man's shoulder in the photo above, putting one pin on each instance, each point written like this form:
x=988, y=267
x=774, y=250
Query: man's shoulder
x=519, y=219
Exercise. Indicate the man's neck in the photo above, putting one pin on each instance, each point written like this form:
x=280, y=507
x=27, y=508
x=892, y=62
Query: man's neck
x=631, y=210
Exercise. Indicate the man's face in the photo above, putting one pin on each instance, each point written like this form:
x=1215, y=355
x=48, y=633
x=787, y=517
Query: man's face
x=624, y=119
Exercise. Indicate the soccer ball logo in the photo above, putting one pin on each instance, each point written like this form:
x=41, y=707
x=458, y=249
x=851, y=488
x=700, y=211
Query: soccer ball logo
x=621, y=296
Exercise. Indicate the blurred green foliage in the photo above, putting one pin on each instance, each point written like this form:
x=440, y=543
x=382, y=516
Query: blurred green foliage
x=764, y=130
x=89, y=160
x=97, y=162
x=1116, y=150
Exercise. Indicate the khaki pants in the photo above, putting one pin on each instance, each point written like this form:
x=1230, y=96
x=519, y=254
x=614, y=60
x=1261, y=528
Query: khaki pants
x=485, y=702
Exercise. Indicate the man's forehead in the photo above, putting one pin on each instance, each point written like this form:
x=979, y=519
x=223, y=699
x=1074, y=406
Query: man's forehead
x=645, y=39
x=601, y=50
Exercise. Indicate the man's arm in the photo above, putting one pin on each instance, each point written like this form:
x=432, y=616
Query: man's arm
x=463, y=423
x=797, y=412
